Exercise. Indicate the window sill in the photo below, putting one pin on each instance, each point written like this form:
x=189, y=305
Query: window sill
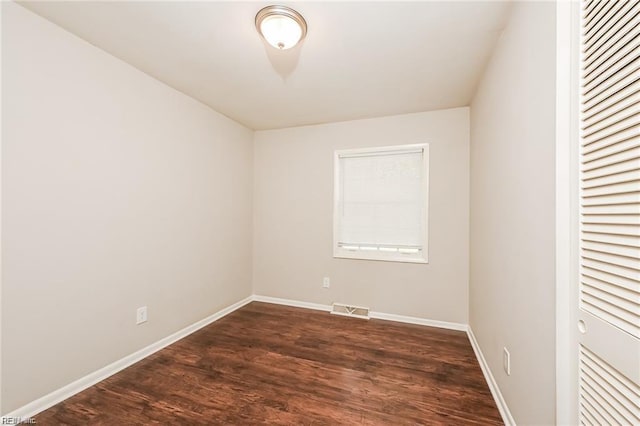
x=385, y=257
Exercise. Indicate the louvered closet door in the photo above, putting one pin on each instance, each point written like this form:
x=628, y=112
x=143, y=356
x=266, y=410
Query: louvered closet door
x=609, y=295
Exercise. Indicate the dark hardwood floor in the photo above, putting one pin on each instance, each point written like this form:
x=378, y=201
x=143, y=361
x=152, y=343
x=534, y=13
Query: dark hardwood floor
x=270, y=364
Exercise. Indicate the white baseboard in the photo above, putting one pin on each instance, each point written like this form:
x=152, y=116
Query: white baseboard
x=294, y=303
x=419, y=321
x=507, y=418
x=53, y=398
x=376, y=315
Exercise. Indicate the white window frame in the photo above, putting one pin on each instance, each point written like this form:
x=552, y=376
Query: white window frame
x=376, y=254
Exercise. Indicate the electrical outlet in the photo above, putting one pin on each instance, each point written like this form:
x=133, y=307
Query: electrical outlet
x=326, y=282
x=506, y=361
x=141, y=315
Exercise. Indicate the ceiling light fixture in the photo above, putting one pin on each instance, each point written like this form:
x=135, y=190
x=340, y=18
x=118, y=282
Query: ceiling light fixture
x=281, y=26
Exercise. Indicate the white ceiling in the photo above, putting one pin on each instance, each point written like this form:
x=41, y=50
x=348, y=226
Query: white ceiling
x=359, y=59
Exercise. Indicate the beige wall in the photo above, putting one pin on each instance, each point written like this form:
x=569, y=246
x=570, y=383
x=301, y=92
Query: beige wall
x=512, y=282
x=118, y=192
x=293, y=204
x=1, y=115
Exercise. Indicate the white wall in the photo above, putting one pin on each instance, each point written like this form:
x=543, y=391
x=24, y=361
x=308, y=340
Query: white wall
x=118, y=192
x=293, y=202
x=512, y=284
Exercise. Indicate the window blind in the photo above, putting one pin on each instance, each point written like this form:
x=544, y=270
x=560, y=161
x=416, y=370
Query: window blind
x=382, y=201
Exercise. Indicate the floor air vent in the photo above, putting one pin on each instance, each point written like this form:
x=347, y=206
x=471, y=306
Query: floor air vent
x=350, y=311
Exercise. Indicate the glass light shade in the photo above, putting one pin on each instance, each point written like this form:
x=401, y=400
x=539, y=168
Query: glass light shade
x=281, y=27
x=281, y=32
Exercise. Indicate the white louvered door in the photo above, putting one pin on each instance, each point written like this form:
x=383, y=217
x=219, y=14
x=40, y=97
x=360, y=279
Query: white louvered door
x=609, y=288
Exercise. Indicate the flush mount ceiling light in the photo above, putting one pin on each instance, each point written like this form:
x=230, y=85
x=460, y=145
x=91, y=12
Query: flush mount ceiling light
x=281, y=26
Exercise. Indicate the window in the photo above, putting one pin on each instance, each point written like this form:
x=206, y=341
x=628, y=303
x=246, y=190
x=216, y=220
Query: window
x=381, y=203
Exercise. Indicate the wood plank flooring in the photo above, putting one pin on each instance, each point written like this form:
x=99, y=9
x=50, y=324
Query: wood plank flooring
x=271, y=364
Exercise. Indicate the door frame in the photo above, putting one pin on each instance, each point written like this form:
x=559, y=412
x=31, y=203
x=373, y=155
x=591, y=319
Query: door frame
x=567, y=208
